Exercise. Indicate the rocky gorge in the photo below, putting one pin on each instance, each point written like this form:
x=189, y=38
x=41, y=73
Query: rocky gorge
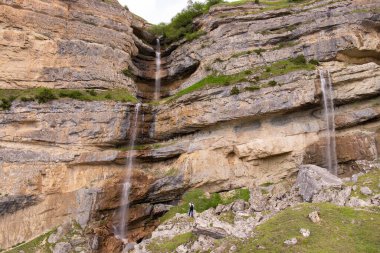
x=241, y=108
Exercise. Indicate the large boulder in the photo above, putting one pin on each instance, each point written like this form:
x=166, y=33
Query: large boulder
x=213, y=232
x=312, y=179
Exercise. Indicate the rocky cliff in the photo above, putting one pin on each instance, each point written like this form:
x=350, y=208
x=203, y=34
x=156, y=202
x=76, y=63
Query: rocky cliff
x=241, y=107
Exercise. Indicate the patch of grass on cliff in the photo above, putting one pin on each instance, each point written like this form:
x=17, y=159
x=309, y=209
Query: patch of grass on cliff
x=370, y=180
x=213, y=80
x=44, y=95
x=38, y=244
x=203, y=202
x=181, y=24
x=342, y=229
x=169, y=245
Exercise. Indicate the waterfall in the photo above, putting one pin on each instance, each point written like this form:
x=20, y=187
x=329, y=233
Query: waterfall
x=328, y=106
x=158, y=71
x=120, y=232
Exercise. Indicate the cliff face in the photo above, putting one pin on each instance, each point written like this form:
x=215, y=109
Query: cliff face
x=61, y=160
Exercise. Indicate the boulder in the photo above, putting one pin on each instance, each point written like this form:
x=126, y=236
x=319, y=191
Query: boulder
x=257, y=201
x=312, y=179
x=356, y=202
x=62, y=247
x=219, y=209
x=305, y=232
x=291, y=242
x=365, y=190
x=213, y=232
x=239, y=205
x=314, y=217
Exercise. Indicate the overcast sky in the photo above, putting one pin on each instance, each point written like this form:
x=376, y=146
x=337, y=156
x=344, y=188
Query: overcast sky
x=155, y=11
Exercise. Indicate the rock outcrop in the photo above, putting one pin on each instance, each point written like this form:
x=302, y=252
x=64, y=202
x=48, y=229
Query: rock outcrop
x=65, y=159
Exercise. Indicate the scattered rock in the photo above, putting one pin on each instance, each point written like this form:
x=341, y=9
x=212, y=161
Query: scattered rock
x=312, y=179
x=257, y=201
x=354, y=188
x=365, y=190
x=239, y=205
x=314, y=217
x=213, y=232
x=219, y=209
x=233, y=248
x=376, y=200
x=62, y=247
x=356, y=202
x=305, y=232
x=290, y=242
x=260, y=247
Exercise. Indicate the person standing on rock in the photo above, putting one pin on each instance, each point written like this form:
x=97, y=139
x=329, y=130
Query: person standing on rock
x=191, y=209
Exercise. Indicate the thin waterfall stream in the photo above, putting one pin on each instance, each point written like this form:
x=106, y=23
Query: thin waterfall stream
x=158, y=71
x=122, y=229
x=329, y=115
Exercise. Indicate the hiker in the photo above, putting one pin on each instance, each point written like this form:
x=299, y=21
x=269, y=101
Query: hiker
x=191, y=209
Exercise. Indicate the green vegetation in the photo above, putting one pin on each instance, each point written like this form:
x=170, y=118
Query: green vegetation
x=275, y=69
x=370, y=180
x=44, y=95
x=181, y=25
x=213, y=80
x=6, y=103
x=34, y=245
x=228, y=217
x=169, y=245
x=235, y=91
x=286, y=66
x=202, y=202
x=342, y=229
x=194, y=35
x=128, y=73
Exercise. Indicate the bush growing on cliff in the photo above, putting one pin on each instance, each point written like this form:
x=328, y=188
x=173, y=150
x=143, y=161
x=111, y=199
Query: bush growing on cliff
x=45, y=95
x=5, y=104
x=181, y=24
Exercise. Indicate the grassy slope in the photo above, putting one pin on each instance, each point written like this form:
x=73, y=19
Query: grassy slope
x=202, y=203
x=275, y=69
x=342, y=229
x=88, y=95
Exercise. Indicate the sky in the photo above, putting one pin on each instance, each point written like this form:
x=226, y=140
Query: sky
x=155, y=11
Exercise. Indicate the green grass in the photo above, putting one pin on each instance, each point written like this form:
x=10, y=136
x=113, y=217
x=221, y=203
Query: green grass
x=34, y=245
x=228, y=217
x=335, y=233
x=286, y=66
x=275, y=69
x=371, y=180
x=202, y=203
x=212, y=80
x=181, y=24
x=169, y=245
x=44, y=95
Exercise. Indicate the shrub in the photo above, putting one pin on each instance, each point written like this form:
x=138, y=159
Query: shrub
x=6, y=104
x=259, y=51
x=235, y=91
x=45, y=95
x=108, y=96
x=182, y=23
x=257, y=1
x=26, y=99
x=194, y=35
x=128, y=73
x=92, y=93
x=314, y=62
x=74, y=94
x=299, y=60
x=272, y=83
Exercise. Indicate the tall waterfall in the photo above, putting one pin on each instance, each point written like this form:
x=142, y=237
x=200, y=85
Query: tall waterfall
x=328, y=105
x=120, y=231
x=158, y=71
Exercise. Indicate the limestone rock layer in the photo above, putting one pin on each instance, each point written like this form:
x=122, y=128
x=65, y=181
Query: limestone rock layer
x=65, y=159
